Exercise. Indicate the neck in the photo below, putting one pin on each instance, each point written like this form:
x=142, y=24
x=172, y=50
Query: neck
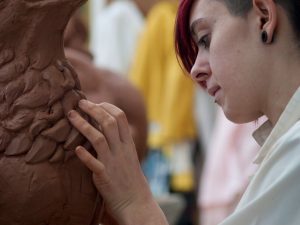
x=285, y=82
x=283, y=69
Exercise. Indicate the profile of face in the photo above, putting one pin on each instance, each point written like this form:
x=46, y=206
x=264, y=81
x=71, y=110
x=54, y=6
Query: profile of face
x=231, y=61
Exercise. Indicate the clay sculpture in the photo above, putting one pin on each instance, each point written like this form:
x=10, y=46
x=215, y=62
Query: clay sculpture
x=41, y=180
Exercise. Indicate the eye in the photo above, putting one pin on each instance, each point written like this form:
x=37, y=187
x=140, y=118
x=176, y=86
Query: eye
x=204, y=42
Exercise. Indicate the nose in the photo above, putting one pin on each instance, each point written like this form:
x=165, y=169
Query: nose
x=201, y=70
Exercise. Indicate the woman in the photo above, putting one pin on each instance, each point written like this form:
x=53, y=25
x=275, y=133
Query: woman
x=246, y=54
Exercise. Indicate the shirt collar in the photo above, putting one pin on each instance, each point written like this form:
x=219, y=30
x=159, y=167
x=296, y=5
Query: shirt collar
x=261, y=134
x=266, y=135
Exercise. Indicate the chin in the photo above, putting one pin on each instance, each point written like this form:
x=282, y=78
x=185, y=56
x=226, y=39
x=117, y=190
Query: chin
x=239, y=117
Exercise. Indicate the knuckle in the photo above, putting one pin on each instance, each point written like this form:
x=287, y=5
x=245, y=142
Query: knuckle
x=109, y=122
x=100, y=170
x=103, y=104
x=87, y=160
x=120, y=115
x=99, y=140
x=85, y=126
x=93, y=106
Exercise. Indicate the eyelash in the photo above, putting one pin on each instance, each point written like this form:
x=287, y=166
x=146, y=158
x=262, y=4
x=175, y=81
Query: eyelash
x=204, y=42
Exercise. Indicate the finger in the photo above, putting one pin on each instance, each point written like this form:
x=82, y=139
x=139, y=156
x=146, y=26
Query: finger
x=100, y=154
x=120, y=116
x=91, y=162
x=96, y=138
x=100, y=176
x=107, y=122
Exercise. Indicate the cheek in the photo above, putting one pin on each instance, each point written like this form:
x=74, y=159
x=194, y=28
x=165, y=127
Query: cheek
x=225, y=68
x=229, y=64
x=228, y=51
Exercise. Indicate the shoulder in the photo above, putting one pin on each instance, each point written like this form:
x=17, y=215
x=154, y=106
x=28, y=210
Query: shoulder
x=284, y=156
x=120, y=9
x=77, y=58
x=123, y=89
x=288, y=145
x=272, y=196
x=127, y=96
x=162, y=14
x=281, y=165
x=162, y=8
x=291, y=135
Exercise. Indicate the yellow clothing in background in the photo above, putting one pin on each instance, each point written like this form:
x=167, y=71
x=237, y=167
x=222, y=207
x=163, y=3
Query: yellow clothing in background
x=168, y=93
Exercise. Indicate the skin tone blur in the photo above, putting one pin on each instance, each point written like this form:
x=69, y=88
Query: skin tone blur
x=243, y=74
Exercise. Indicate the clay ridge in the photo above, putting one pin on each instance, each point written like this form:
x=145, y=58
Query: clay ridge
x=33, y=107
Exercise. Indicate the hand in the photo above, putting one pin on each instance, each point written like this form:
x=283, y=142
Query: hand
x=116, y=171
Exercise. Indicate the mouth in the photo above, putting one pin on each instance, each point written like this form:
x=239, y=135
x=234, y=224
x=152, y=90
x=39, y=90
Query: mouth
x=213, y=90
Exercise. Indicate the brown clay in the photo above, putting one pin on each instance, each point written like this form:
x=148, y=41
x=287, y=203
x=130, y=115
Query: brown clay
x=41, y=181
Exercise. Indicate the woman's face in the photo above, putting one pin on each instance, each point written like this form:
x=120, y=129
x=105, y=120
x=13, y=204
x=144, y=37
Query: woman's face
x=229, y=64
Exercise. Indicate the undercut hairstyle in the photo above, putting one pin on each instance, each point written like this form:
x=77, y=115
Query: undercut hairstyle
x=238, y=7
x=187, y=49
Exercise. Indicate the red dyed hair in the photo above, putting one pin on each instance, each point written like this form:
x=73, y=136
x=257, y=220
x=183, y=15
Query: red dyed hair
x=186, y=48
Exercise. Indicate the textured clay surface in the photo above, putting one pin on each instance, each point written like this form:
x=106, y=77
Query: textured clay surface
x=41, y=181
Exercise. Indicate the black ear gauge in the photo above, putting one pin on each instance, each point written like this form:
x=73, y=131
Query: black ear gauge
x=264, y=37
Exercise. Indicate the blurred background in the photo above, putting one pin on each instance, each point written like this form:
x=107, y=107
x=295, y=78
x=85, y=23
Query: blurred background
x=197, y=163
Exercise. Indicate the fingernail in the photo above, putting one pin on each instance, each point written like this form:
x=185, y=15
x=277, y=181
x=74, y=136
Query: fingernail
x=78, y=150
x=71, y=114
x=83, y=102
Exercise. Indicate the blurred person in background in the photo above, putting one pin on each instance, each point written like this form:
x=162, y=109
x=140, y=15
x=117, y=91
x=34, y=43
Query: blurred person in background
x=227, y=168
x=145, y=5
x=169, y=98
x=117, y=28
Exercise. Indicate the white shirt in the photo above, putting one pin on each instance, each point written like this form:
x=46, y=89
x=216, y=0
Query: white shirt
x=117, y=29
x=273, y=195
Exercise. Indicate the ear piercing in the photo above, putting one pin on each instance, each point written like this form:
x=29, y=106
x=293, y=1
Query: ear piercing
x=264, y=37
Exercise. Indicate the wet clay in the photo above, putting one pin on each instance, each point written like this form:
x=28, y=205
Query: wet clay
x=41, y=181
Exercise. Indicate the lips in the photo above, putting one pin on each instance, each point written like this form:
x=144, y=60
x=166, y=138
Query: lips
x=213, y=90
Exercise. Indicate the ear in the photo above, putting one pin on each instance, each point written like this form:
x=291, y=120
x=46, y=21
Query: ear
x=266, y=11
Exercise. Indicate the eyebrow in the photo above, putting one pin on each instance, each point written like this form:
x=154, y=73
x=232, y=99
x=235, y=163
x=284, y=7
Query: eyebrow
x=197, y=22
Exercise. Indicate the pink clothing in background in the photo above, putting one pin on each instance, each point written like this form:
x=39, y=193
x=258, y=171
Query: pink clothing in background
x=227, y=169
